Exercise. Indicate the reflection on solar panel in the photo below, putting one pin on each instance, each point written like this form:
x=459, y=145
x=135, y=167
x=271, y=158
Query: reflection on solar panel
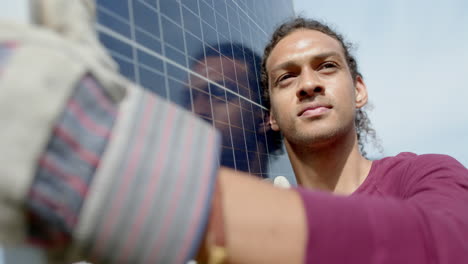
x=205, y=56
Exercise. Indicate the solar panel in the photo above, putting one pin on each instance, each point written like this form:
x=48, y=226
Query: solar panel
x=203, y=55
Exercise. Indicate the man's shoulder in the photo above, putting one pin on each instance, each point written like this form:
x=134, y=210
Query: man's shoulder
x=412, y=159
x=420, y=161
x=394, y=164
x=398, y=173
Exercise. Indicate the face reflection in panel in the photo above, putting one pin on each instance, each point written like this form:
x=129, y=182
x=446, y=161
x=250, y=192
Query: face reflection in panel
x=243, y=129
x=172, y=35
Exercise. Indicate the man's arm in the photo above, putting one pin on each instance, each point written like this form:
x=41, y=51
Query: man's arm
x=428, y=225
x=262, y=223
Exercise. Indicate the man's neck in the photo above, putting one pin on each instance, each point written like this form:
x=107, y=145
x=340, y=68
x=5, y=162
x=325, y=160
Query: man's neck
x=338, y=167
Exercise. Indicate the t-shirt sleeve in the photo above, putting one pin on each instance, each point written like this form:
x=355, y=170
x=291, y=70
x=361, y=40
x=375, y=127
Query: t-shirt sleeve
x=428, y=225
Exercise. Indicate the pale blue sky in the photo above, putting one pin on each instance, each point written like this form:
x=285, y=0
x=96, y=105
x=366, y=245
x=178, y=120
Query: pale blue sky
x=414, y=58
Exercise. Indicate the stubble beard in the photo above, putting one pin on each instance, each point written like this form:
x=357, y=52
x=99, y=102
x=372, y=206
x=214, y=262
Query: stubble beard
x=322, y=137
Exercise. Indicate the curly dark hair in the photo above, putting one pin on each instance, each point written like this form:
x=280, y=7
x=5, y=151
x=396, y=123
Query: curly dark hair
x=362, y=121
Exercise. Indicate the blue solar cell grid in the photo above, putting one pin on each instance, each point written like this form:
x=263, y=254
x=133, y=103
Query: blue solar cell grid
x=203, y=55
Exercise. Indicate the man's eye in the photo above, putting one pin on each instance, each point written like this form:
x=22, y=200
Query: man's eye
x=328, y=66
x=284, y=77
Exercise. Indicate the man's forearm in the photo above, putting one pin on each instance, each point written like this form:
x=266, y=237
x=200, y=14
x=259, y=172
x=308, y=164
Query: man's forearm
x=262, y=223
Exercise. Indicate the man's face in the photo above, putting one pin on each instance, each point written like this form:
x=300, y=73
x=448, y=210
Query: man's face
x=313, y=96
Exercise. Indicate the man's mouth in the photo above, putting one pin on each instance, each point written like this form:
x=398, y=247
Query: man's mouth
x=314, y=110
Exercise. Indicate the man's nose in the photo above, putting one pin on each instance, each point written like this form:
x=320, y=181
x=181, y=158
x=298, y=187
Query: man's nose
x=309, y=85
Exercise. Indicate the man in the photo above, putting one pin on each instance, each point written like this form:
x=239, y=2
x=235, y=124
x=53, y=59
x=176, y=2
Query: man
x=115, y=174
x=404, y=209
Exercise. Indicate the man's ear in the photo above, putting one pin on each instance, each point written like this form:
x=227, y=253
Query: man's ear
x=361, y=92
x=272, y=121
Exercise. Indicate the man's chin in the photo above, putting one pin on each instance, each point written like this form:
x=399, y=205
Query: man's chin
x=315, y=139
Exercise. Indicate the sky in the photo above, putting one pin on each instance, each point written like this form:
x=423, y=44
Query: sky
x=414, y=58
x=16, y=10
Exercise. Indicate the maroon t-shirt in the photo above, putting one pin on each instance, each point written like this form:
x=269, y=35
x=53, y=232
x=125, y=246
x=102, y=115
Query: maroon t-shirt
x=410, y=209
